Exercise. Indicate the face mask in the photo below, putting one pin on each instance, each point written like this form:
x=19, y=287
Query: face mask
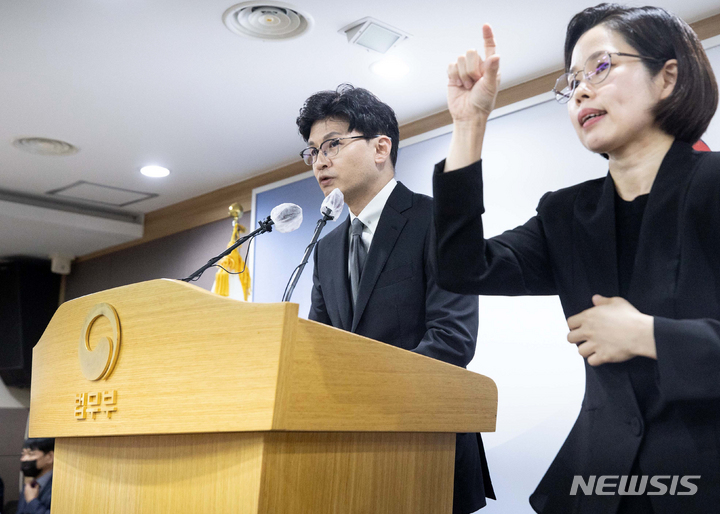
x=29, y=468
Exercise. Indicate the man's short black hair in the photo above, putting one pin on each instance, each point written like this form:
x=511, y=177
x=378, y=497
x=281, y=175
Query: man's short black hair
x=361, y=109
x=45, y=445
x=656, y=33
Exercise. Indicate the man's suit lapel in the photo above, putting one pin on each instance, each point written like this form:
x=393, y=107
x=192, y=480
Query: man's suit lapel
x=337, y=264
x=657, y=262
x=388, y=230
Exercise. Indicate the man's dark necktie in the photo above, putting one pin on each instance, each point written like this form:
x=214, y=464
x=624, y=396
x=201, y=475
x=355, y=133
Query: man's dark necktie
x=358, y=253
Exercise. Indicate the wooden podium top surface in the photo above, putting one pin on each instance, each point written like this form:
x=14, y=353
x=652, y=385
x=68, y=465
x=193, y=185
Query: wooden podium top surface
x=190, y=361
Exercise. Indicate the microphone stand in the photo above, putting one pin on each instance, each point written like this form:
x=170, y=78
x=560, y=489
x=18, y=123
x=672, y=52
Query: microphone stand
x=327, y=215
x=265, y=226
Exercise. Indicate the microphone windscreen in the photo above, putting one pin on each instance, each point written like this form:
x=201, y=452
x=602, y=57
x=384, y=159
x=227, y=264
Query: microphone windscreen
x=286, y=217
x=335, y=202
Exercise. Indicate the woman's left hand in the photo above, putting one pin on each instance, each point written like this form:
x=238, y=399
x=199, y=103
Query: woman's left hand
x=612, y=331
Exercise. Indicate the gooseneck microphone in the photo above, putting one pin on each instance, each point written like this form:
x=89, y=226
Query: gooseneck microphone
x=333, y=204
x=330, y=209
x=285, y=217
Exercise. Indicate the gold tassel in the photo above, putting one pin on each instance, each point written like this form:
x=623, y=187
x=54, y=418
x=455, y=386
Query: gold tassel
x=233, y=263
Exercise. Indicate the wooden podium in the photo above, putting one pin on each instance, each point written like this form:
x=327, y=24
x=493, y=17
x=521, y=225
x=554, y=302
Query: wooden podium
x=165, y=398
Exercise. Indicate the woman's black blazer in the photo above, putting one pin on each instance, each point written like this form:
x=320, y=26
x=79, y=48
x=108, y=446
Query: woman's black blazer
x=569, y=249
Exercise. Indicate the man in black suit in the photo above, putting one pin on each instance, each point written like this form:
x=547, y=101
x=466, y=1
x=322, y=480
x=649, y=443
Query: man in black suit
x=36, y=462
x=375, y=273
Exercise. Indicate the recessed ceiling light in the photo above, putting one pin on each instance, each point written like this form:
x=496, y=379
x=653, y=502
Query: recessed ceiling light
x=390, y=68
x=154, y=171
x=374, y=35
x=44, y=146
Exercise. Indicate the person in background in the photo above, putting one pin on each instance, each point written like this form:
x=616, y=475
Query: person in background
x=634, y=257
x=36, y=463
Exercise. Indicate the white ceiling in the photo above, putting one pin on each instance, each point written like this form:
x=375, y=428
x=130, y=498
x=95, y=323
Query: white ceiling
x=165, y=82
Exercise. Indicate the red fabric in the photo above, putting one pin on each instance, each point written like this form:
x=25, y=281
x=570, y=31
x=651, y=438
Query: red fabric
x=700, y=146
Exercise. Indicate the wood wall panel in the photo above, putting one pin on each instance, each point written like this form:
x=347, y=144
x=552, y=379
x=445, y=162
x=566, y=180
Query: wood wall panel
x=707, y=27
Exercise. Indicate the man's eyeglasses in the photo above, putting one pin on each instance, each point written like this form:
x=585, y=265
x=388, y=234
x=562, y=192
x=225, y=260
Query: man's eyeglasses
x=596, y=69
x=329, y=148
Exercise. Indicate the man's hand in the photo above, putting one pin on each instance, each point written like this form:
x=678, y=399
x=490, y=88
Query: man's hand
x=473, y=83
x=31, y=491
x=612, y=331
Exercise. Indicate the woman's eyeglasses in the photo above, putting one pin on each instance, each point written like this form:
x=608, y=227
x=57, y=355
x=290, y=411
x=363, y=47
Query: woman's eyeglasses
x=596, y=69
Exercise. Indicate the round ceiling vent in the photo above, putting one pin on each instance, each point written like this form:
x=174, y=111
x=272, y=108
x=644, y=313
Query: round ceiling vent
x=270, y=22
x=43, y=146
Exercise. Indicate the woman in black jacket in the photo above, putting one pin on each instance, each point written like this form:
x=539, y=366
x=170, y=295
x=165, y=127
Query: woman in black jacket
x=634, y=257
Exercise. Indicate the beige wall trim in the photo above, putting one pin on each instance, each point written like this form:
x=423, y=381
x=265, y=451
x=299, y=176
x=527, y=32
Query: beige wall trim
x=213, y=206
x=707, y=27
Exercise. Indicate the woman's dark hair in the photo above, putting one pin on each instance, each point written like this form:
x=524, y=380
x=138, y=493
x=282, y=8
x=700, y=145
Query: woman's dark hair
x=361, y=109
x=45, y=445
x=656, y=33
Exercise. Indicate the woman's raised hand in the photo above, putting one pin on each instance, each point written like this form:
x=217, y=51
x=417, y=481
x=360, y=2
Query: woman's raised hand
x=473, y=83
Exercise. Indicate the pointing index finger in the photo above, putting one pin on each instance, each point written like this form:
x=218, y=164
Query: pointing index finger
x=489, y=39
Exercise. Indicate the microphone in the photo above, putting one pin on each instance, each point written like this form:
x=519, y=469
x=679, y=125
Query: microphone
x=330, y=209
x=333, y=204
x=286, y=217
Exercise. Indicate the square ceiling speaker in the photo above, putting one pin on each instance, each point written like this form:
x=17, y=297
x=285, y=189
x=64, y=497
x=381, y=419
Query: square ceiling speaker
x=374, y=35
